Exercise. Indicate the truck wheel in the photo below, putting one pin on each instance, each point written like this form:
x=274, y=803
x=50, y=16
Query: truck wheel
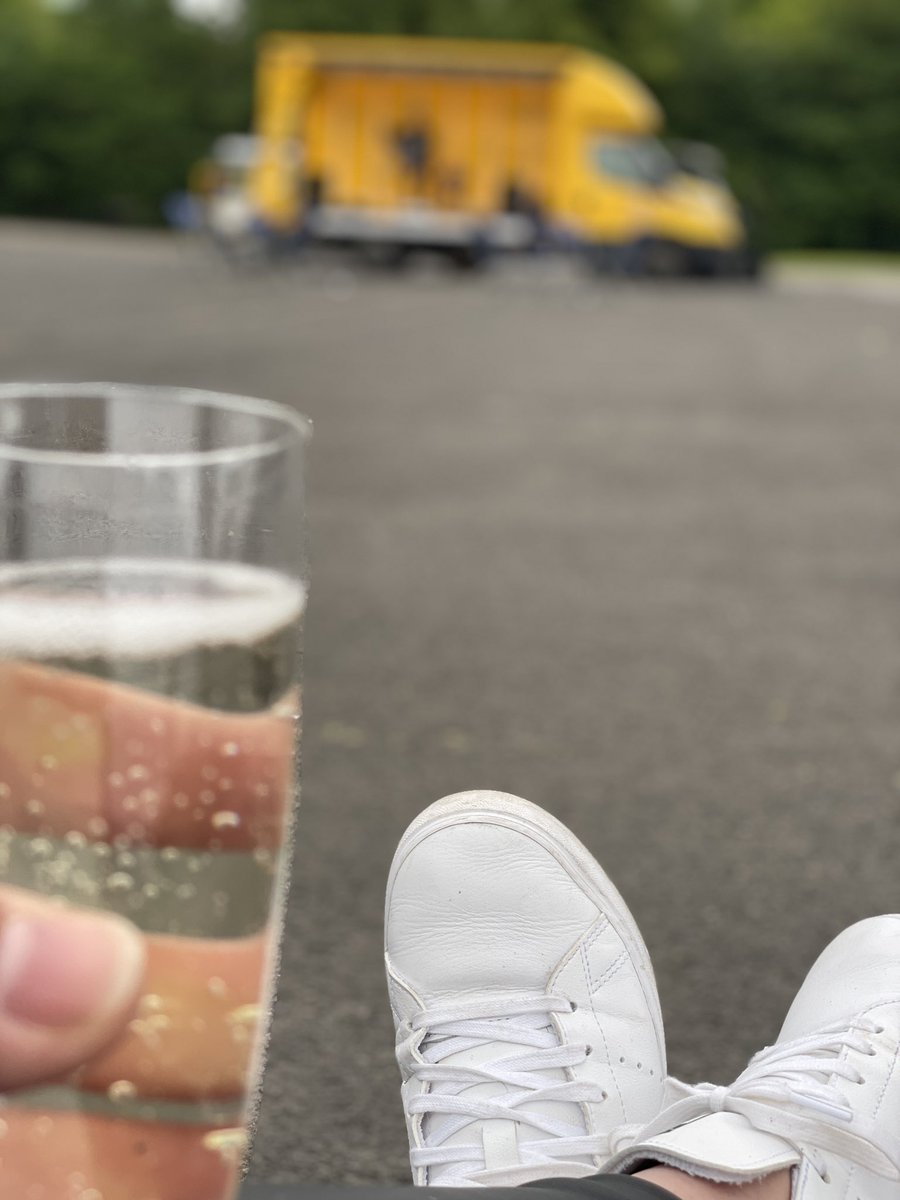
x=613, y=262
x=386, y=256
x=598, y=259
x=706, y=263
x=750, y=263
x=742, y=263
x=474, y=256
x=663, y=259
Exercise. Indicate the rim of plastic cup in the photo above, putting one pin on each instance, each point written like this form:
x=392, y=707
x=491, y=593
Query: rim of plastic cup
x=295, y=428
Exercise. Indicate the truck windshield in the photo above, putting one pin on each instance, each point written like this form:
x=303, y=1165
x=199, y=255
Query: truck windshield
x=640, y=160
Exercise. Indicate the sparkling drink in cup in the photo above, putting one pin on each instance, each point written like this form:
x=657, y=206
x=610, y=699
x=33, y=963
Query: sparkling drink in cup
x=149, y=705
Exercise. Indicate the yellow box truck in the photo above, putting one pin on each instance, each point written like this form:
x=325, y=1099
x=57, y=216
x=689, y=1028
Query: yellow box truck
x=471, y=147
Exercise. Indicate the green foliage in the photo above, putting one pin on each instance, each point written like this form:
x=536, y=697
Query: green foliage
x=545, y=20
x=106, y=105
x=804, y=97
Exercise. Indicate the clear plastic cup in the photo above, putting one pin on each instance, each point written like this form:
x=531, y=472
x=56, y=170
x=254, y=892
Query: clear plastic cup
x=152, y=590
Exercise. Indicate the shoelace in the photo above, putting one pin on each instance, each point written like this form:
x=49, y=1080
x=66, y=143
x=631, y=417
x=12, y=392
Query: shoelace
x=786, y=1090
x=436, y=1034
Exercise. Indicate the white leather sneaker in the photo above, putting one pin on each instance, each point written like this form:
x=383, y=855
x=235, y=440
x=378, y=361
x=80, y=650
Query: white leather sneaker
x=528, y=1024
x=823, y=1101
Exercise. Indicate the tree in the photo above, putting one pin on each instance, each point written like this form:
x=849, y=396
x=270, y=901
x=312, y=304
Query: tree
x=106, y=106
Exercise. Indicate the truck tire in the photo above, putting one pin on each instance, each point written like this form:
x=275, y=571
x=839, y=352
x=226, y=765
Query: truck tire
x=705, y=262
x=742, y=263
x=750, y=263
x=614, y=262
x=644, y=258
x=474, y=256
x=386, y=256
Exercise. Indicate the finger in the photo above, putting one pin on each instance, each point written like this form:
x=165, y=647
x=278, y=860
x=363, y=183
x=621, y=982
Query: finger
x=193, y=1034
x=82, y=754
x=49, y=1155
x=69, y=981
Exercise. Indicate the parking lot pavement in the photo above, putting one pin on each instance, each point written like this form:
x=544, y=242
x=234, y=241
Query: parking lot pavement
x=632, y=552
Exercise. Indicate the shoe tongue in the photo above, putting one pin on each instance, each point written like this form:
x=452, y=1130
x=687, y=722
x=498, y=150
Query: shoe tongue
x=499, y=1140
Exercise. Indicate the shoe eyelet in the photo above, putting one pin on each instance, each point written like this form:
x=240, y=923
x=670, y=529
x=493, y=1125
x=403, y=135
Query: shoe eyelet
x=573, y=1006
x=588, y=1051
x=605, y=1095
x=879, y=1029
x=825, y=1177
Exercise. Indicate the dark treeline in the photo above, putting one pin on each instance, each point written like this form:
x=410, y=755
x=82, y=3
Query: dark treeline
x=106, y=103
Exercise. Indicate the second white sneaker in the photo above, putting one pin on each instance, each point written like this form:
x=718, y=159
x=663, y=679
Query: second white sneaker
x=823, y=1101
x=528, y=1024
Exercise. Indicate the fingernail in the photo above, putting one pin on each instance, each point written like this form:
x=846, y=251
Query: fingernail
x=60, y=968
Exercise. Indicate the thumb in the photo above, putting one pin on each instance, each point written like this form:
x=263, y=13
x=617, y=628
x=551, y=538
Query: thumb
x=69, y=980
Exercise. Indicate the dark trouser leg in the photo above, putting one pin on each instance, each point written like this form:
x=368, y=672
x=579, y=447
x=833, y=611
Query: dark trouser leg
x=591, y=1187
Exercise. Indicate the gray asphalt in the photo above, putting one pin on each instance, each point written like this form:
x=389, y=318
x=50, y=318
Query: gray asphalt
x=631, y=552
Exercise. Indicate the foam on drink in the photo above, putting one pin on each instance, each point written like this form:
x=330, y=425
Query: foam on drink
x=138, y=610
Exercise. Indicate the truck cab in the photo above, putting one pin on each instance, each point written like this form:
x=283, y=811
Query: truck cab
x=645, y=214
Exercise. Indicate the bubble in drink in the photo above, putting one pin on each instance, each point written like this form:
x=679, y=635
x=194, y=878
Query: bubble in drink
x=147, y=727
x=119, y=881
x=230, y=1143
x=226, y=819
